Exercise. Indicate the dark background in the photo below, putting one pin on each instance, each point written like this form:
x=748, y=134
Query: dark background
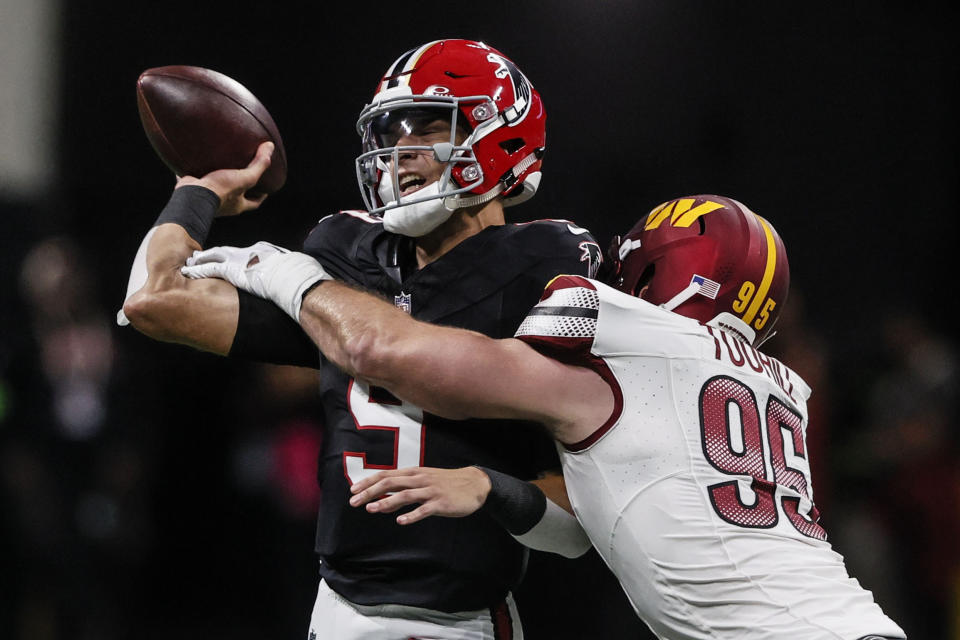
x=151, y=491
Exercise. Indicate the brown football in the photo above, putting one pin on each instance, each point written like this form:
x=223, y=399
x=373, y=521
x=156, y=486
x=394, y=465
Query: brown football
x=199, y=120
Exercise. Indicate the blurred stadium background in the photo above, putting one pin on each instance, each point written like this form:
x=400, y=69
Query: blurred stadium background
x=149, y=491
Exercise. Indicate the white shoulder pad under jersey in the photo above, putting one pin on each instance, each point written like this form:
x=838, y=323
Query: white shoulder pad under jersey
x=697, y=491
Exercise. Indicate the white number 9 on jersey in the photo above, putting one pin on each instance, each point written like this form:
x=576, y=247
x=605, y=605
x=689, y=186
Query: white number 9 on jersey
x=388, y=414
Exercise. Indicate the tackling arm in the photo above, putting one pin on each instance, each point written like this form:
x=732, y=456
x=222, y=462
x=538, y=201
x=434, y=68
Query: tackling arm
x=449, y=372
x=452, y=372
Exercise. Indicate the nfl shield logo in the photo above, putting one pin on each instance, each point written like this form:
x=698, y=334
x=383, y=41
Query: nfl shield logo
x=403, y=301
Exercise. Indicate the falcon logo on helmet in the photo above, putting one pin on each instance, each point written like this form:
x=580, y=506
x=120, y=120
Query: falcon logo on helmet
x=709, y=258
x=592, y=255
x=521, y=87
x=496, y=141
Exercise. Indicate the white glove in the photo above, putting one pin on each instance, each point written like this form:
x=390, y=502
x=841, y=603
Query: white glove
x=263, y=269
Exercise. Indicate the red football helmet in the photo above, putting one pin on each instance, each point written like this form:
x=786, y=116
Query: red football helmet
x=469, y=84
x=709, y=258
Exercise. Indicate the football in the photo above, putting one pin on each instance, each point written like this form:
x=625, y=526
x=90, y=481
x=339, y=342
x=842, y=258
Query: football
x=199, y=120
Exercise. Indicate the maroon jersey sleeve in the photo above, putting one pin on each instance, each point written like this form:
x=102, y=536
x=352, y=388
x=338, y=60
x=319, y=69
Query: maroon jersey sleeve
x=564, y=323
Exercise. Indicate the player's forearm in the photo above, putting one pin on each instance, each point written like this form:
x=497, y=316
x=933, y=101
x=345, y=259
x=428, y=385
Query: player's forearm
x=351, y=328
x=453, y=373
x=169, y=307
x=169, y=248
x=372, y=340
x=172, y=308
x=529, y=511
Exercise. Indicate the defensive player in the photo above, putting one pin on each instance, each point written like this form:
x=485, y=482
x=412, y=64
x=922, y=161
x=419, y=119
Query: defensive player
x=454, y=134
x=683, y=445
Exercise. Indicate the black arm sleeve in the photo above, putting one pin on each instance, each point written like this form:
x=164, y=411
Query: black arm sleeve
x=516, y=505
x=192, y=207
x=267, y=334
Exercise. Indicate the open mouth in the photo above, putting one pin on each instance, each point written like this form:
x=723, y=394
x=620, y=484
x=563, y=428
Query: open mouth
x=411, y=183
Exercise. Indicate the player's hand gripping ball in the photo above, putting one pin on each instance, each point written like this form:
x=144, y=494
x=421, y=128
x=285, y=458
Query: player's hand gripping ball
x=200, y=120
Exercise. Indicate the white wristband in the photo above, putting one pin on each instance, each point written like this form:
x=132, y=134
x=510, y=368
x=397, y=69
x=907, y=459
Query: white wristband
x=557, y=532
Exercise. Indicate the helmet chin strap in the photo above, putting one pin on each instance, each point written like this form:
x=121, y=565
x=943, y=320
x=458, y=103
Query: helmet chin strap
x=692, y=289
x=419, y=218
x=429, y=207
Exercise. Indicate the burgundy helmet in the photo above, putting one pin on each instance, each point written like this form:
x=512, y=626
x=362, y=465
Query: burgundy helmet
x=709, y=258
x=470, y=84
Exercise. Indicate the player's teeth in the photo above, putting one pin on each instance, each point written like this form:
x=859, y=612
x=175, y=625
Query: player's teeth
x=410, y=180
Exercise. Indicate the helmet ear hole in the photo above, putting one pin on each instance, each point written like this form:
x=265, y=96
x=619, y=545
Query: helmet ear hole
x=512, y=145
x=611, y=267
x=645, y=278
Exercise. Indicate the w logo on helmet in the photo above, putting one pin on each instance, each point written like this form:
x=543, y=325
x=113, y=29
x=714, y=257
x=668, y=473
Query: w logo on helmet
x=680, y=212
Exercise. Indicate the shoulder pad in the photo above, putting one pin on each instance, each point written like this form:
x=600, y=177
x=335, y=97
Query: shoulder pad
x=349, y=216
x=563, y=325
x=568, y=309
x=561, y=226
x=341, y=242
x=351, y=223
x=568, y=281
x=561, y=238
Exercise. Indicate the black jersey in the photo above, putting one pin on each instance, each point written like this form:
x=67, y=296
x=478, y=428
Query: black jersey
x=487, y=283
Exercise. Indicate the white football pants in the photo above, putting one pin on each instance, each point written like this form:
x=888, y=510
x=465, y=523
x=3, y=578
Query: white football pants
x=336, y=618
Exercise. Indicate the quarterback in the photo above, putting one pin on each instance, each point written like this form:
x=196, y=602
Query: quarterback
x=454, y=134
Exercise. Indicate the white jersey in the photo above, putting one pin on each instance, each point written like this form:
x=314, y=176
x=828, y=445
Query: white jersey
x=697, y=491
